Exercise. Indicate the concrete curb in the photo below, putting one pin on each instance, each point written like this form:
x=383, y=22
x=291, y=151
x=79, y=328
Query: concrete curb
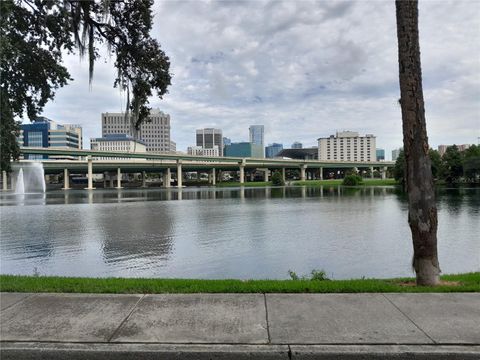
x=103, y=351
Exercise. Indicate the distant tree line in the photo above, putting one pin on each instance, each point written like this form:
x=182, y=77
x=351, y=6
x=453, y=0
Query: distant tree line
x=453, y=167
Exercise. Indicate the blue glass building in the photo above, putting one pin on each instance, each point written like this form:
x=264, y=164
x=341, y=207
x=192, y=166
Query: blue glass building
x=43, y=132
x=380, y=154
x=272, y=150
x=244, y=149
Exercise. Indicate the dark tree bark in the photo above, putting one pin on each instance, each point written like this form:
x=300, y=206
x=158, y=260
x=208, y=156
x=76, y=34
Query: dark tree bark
x=422, y=210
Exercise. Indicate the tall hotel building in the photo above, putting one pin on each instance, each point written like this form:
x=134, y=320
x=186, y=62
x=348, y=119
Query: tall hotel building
x=209, y=138
x=155, y=133
x=347, y=146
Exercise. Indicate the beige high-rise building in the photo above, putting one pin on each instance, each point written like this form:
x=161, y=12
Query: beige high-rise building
x=442, y=149
x=347, y=146
x=154, y=133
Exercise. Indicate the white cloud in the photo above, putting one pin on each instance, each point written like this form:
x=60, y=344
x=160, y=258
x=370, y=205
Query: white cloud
x=304, y=69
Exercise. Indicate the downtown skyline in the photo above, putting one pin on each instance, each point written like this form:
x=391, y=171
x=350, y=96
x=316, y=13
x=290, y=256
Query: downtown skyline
x=304, y=70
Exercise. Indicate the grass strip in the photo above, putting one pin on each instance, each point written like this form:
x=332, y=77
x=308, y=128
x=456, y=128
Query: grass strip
x=336, y=182
x=469, y=282
x=245, y=184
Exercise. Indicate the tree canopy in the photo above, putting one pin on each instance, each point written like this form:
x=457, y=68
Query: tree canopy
x=36, y=34
x=454, y=166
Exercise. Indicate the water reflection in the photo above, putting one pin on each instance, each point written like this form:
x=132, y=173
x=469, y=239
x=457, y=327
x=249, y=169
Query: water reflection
x=138, y=232
x=456, y=197
x=229, y=232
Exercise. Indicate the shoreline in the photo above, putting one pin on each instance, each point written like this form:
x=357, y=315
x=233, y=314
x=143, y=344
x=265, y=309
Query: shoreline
x=468, y=282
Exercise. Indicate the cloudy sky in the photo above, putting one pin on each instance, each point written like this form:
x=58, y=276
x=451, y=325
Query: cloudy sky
x=304, y=69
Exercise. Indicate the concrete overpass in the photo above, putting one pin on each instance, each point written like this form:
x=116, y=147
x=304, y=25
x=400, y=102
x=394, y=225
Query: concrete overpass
x=164, y=163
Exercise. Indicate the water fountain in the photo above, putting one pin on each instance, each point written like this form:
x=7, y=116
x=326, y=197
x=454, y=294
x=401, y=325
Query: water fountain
x=30, y=179
x=20, y=185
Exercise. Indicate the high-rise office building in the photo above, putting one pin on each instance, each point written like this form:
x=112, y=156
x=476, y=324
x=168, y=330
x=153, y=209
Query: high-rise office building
x=297, y=145
x=43, y=132
x=272, y=150
x=155, y=132
x=380, y=154
x=257, y=133
x=347, y=146
x=208, y=138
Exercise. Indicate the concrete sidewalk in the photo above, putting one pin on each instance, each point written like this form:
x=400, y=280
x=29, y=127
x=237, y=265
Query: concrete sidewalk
x=215, y=326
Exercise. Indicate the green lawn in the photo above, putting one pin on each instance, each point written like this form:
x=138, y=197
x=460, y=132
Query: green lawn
x=237, y=184
x=336, y=182
x=469, y=282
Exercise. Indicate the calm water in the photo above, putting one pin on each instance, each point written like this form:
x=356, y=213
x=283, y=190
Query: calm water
x=229, y=233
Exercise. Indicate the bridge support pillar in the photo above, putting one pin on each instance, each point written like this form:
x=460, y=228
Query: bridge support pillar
x=321, y=173
x=110, y=177
x=266, y=175
x=4, y=180
x=302, y=172
x=90, y=173
x=66, y=179
x=284, y=174
x=144, y=179
x=384, y=173
x=119, y=179
x=179, y=174
x=242, y=172
x=371, y=172
x=213, y=177
x=167, y=178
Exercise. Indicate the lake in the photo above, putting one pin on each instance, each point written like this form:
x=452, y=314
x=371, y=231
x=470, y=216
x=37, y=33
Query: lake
x=216, y=233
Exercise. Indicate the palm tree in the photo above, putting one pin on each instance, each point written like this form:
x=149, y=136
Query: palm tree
x=422, y=210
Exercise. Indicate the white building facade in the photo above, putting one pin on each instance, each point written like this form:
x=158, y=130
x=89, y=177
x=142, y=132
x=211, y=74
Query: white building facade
x=201, y=151
x=155, y=133
x=208, y=138
x=347, y=146
x=117, y=143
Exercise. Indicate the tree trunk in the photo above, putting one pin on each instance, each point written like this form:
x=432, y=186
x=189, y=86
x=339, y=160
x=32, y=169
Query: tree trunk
x=422, y=210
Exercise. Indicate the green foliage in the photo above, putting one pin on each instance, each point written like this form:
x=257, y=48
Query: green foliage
x=452, y=165
x=450, y=168
x=471, y=163
x=318, y=275
x=437, y=165
x=293, y=275
x=352, y=180
x=315, y=275
x=399, y=168
x=9, y=130
x=277, y=179
x=35, y=34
